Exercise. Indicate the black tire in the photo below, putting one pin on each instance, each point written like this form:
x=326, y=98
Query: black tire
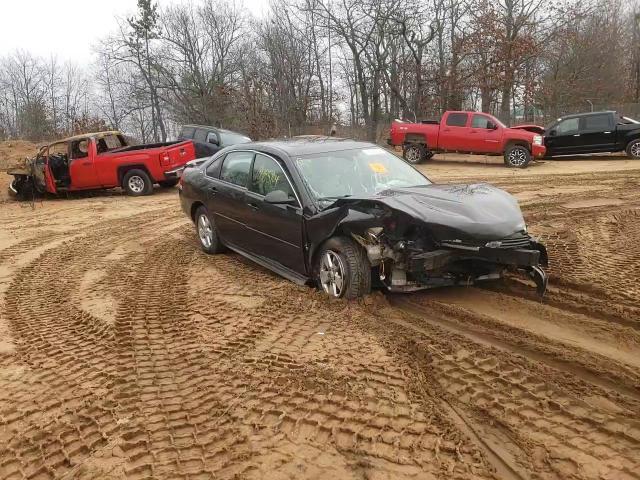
x=415, y=153
x=355, y=266
x=137, y=182
x=169, y=183
x=633, y=149
x=214, y=245
x=517, y=156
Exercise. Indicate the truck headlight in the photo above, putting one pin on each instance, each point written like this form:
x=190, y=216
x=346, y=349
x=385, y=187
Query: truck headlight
x=537, y=140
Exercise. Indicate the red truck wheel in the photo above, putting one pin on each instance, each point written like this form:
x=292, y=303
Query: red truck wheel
x=137, y=182
x=517, y=156
x=415, y=153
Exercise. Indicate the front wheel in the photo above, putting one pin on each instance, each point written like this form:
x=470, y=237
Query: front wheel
x=342, y=269
x=415, y=153
x=517, y=156
x=633, y=149
x=137, y=182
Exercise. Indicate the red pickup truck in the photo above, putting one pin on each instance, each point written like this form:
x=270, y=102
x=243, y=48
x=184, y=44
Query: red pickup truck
x=101, y=160
x=466, y=132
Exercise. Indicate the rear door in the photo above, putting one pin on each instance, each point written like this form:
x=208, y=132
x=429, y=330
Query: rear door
x=454, y=132
x=82, y=165
x=597, y=133
x=564, y=137
x=226, y=198
x=275, y=231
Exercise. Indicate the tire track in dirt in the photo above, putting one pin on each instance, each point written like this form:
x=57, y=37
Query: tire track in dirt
x=562, y=434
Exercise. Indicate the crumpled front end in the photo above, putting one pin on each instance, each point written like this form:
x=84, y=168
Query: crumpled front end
x=416, y=263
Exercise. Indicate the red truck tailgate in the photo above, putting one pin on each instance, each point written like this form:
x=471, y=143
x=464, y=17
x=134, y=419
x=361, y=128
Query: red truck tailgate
x=177, y=155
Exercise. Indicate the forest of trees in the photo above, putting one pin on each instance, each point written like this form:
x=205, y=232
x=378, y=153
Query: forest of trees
x=308, y=64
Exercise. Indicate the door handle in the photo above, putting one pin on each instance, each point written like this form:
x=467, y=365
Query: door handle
x=213, y=191
x=576, y=135
x=253, y=206
x=607, y=132
x=86, y=164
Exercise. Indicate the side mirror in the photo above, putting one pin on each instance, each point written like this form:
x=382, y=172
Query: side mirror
x=213, y=141
x=278, y=197
x=553, y=133
x=491, y=126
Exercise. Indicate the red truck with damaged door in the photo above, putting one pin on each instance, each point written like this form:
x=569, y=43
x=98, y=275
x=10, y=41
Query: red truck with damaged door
x=466, y=132
x=101, y=160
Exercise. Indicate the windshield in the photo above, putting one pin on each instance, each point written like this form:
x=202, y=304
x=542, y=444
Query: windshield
x=361, y=172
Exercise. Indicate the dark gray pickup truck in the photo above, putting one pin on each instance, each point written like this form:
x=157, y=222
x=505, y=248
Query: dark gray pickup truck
x=591, y=133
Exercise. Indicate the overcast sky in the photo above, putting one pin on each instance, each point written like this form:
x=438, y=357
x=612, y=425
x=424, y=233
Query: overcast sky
x=68, y=28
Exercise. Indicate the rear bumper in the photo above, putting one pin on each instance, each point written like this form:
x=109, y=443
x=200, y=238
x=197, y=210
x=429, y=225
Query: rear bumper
x=174, y=173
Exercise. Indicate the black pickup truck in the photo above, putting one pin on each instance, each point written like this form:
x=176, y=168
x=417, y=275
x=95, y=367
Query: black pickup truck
x=591, y=133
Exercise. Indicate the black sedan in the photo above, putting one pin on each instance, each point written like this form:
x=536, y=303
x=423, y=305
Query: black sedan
x=341, y=213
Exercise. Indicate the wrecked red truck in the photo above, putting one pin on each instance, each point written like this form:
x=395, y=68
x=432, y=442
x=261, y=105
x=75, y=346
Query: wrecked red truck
x=467, y=132
x=98, y=161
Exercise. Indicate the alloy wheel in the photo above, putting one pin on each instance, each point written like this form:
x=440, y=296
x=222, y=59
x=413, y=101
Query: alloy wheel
x=136, y=184
x=635, y=150
x=412, y=155
x=205, y=232
x=332, y=274
x=518, y=157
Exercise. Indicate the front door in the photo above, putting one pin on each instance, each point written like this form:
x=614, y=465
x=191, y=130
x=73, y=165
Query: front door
x=275, y=230
x=564, y=137
x=226, y=198
x=484, y=136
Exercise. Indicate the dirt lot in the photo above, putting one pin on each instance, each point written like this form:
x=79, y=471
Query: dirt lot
x=125, y=352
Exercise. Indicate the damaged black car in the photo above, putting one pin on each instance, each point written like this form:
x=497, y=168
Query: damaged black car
x=343, y=214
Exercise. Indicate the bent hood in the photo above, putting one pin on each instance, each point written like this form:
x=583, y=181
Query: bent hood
x=467, y=212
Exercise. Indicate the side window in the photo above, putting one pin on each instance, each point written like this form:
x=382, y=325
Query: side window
x=213, y=169
x=80, y=148
x=569, y=125
x=200, y=135
x=268, y=176
x=187, y=132
x=457, y=120
x=235, y=168
x=480, y=121
x=597, y=123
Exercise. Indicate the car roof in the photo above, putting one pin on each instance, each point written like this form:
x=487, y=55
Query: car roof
x=307, y=144
x=209, y=127
x=586, y=114
x=87, y=135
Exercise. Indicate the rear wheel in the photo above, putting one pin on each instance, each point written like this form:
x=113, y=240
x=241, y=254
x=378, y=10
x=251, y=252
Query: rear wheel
x=633, y=148
x=415, y=153
x=137, y=182
x=342, y=269
x=168, y=183
x=207, y=233
x=517, y=156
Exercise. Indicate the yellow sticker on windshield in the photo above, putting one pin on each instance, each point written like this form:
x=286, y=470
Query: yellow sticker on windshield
x=378, y=167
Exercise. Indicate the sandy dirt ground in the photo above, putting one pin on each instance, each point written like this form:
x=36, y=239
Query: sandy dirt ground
x=125, y=352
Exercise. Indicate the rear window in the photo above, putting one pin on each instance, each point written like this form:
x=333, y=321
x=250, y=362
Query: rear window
x=187, y=132
x=457, y=120
x=597, y=122
x=235, y=168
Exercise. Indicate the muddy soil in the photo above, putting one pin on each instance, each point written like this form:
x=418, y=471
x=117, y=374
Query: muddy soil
x=125, y=352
